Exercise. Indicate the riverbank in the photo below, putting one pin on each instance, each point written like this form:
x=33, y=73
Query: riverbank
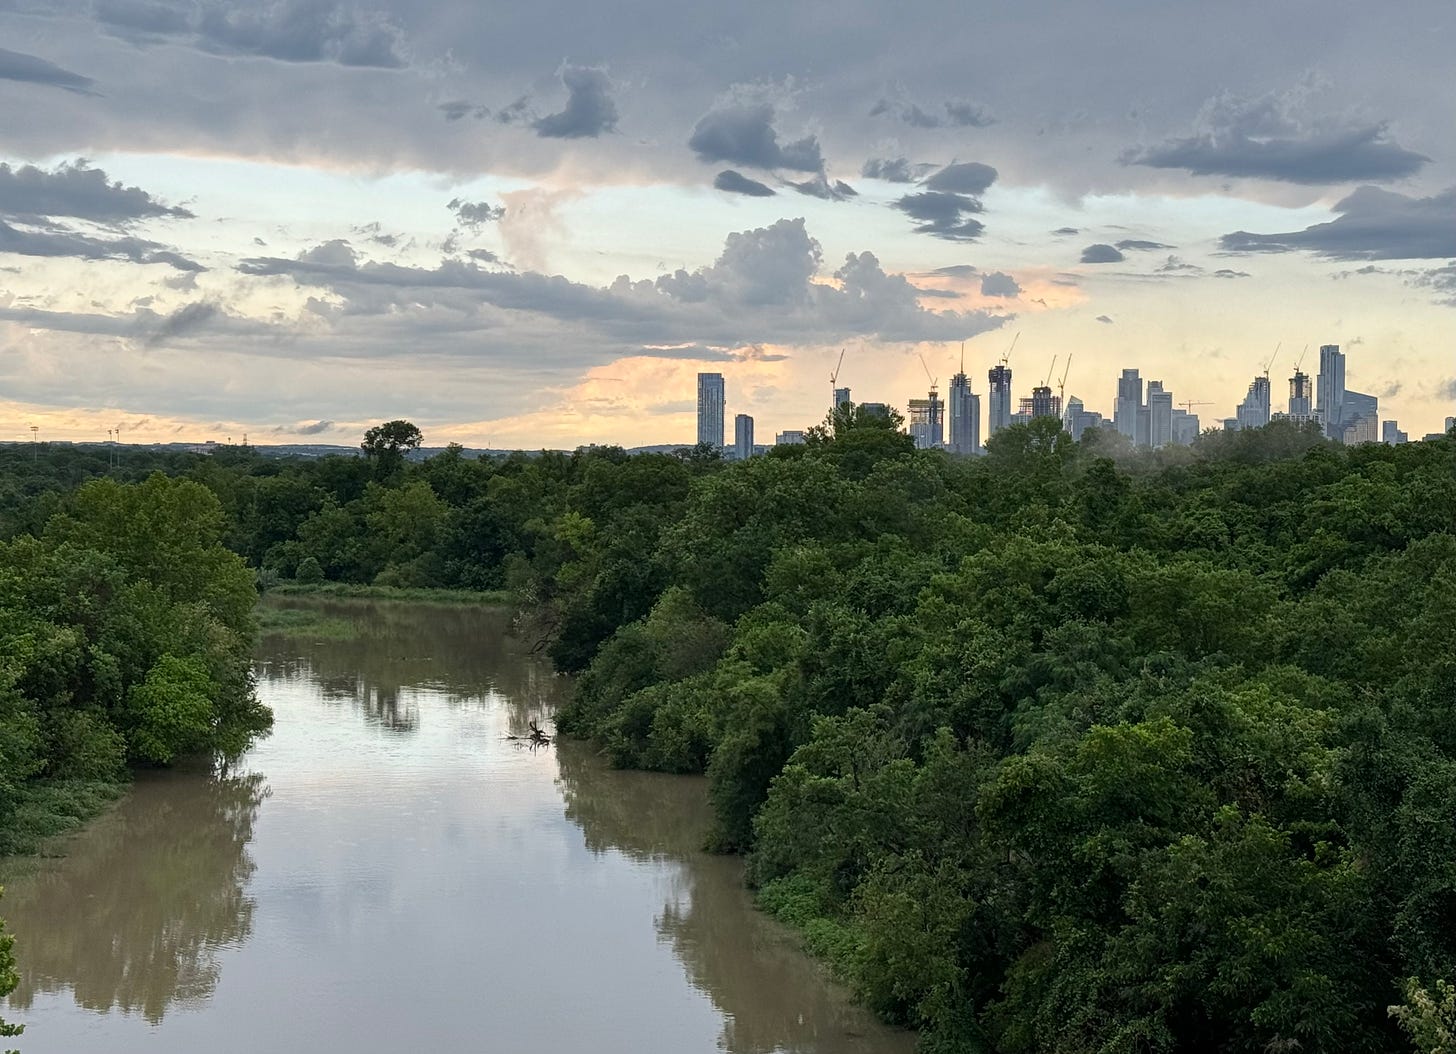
x=45, y=810
x=413, y=595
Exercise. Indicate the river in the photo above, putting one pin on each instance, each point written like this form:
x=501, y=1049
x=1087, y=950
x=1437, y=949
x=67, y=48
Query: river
x=388, y=871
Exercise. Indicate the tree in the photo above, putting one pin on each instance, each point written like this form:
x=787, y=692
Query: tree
x=386, y=446
x=8, y=979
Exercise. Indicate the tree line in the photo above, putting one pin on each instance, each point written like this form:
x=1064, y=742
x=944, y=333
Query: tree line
x=1065, y=748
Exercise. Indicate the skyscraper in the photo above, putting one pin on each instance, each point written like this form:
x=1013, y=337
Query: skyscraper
x=1129, y=401
x=998, y=400
x=927, y=422
x=1185, y=427
x=742, y=437
x=1301, y=401
x=965, y=415
x=711, y=400
x=1391, y=435
x=1361, y=418
x=841, y=396
x=1253, y=412
x=1330, y=390
x=1044, y=403
x=1160, y=415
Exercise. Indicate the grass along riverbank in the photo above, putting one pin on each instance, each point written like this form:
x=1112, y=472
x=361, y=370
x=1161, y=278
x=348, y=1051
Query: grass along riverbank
x=415, y=595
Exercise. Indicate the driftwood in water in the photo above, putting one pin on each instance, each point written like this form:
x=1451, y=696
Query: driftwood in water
x=536, y=737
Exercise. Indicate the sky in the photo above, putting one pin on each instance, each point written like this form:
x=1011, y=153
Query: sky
x=532, y=225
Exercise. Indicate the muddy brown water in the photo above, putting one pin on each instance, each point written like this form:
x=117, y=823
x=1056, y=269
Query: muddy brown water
x=387, y=871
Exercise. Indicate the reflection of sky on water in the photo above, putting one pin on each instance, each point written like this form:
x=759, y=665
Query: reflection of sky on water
x=385, y=877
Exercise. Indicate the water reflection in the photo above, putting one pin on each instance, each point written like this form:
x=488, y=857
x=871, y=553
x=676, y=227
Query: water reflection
x=772, y=997
x=150, y=895
x=395, y=651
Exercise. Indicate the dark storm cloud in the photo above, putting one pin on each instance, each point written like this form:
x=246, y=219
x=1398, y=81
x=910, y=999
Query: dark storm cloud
x=75, y=189
x=29, y=69
x=954, y=113
x=285, y=30
x=1139, y=245
x=589, y=111
x=998, y=284
x=943, y=215
x=475, y=214
x=59, y=242
x=743, y=134
x=1373, y=224
x=1271, y=137
x=737, y=183
x=1100, y=254
x=892, y=170
x=969, y=177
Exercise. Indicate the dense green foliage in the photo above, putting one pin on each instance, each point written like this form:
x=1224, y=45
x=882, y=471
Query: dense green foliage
x=125, y=628
x=1046, y=752
x=8, y=980
x=1060, y=749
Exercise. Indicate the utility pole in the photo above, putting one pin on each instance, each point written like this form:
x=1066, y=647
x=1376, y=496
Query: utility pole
x=35, y=442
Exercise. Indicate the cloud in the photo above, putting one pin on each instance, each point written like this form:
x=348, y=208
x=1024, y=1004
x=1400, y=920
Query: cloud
x=55, y=241
x=1177, y=265
x=309, y=428
x=951, y=197
x=589, y=109
x=1100, y=254
x=29, y=69
x=1104, y=319
x=475, y=214
x=284, y=30
x=1268, y=137
x=761, y=289
x=184, y=320
x=892, y=170
x=998, y=284
x=821, y=187
x=954, y=113
x=955, y=271
x=737, y=183
x=1140, y=245
x=943, y=215
x=1066, y=232
x=74, y=189
x=457, y=109
x=970, y=177
x=1443, y=281
x=1372, y=224
x=743, y=134
x=1226, y=272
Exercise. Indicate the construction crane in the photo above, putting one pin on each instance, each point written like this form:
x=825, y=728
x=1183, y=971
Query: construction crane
x=1189, y=404
x=1302, y=354
x=934, y=381
x=1051, y=370
x=834, y=382
x=1006, y=359
x=1270, y=364
x=1062, y=384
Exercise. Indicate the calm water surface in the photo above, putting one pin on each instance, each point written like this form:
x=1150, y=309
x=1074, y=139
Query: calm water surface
x=388, y=872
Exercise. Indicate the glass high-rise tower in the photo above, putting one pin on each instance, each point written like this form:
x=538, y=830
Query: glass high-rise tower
x=711, y=402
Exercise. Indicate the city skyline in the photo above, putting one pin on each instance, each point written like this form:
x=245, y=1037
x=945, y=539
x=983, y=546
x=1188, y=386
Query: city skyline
x=299, y=218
